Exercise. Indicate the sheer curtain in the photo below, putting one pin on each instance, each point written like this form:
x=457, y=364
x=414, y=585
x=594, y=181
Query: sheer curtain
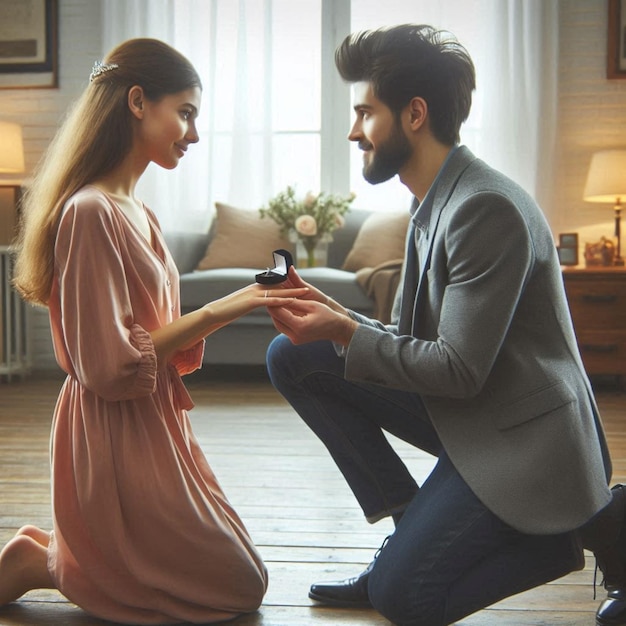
x=260, y=124
x=228, y=43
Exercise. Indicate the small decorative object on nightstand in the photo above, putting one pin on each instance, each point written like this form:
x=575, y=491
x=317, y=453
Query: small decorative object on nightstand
x=606, y=182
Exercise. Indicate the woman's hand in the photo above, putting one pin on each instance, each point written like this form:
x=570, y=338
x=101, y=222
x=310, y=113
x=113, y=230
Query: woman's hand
x=240, y=302
x=192, y=327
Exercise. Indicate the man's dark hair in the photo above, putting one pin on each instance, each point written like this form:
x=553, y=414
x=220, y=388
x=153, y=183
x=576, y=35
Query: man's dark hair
x=413, y=60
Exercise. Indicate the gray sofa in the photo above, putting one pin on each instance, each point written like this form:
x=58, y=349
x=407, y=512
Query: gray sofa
x=244, y=342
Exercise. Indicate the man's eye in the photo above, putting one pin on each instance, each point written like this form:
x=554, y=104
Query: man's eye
x=186, y=114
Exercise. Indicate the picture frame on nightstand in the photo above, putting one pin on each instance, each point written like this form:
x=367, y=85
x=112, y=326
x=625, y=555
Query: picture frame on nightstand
x=568, y=249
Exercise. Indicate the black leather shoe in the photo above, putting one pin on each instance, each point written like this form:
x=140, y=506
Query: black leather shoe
x=351, y=592
x=612, y=563
x=612, y=611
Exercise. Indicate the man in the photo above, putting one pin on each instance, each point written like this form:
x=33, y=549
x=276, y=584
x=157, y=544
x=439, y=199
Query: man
x=479, y=367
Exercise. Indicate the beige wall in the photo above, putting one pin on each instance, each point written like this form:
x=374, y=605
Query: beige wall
x=39, y=111
x=592, y=116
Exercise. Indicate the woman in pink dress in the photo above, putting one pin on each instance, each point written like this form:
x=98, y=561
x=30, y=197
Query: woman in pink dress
x=142, y=532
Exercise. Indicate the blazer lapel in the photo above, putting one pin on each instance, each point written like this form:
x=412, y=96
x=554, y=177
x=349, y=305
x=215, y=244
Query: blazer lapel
x=455, y=167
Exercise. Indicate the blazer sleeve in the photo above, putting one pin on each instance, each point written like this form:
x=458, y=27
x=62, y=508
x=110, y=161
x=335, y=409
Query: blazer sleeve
x=482, y=257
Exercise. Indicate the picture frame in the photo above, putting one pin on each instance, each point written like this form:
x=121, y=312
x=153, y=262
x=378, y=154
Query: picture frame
x=616, y=40
x=567, y=256
x=568, y=240
x=28, y=44
x=568, y=249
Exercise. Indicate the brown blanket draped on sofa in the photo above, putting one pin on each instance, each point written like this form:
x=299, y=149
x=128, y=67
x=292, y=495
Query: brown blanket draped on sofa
x=381, y=283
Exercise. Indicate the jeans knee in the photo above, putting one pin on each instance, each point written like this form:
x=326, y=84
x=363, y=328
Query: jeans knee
x=277, y=356
x=403, y=603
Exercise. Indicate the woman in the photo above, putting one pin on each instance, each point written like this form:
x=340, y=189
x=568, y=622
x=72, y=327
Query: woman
x=143, y=533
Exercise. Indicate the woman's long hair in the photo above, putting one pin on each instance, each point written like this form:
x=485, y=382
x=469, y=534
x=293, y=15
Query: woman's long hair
x=94, y=139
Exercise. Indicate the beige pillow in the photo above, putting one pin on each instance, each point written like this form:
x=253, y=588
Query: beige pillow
x=242, y=239
x=381, y=238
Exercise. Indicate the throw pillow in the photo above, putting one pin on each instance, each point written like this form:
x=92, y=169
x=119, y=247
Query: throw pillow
x=380, y=239
x=242, y=238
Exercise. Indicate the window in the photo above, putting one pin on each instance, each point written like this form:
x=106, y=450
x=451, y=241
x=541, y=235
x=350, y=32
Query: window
x=275, y=111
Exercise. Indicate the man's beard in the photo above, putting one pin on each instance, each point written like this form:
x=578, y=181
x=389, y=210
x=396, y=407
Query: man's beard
x=389, y=157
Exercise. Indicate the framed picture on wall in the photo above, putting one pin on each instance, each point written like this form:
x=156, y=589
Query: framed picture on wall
x=616, y=40
x=28, y=43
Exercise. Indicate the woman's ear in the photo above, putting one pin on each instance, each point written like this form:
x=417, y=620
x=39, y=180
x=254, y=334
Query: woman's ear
x=135, y=101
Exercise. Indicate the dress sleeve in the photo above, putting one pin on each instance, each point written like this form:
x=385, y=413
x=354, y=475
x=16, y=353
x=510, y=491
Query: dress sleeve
x=110, y=353
x=187, y=361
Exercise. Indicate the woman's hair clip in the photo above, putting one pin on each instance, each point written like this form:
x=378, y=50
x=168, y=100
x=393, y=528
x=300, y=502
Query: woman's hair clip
x=100, y=68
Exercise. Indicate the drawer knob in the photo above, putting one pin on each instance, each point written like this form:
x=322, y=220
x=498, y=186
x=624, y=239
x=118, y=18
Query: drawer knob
x=602, y=298
x=604, y=348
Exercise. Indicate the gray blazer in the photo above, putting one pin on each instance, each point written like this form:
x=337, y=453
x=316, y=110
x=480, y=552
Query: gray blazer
x=494, y=356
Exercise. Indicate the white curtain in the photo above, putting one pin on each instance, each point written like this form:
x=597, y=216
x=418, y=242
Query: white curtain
x=227, y=43
x=514, y=46
x=520, y=102
x=512, y=125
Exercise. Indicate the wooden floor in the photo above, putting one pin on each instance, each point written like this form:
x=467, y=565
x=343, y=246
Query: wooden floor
x=288, y=492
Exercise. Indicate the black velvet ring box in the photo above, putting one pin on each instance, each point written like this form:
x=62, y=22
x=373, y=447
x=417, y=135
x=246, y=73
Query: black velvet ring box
x=278, y=274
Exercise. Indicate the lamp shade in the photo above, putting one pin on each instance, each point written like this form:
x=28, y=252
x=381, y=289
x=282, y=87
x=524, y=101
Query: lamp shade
x=11, y=148
x=606, y=180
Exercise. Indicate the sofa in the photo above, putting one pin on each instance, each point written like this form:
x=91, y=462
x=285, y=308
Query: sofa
x=239, y=244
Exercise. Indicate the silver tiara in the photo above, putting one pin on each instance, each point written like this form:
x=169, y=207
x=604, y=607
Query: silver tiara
x=100, y=68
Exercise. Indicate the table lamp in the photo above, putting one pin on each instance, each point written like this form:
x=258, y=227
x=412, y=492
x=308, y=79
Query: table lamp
x=11, y=149
x=606, y=182
x=11, y=162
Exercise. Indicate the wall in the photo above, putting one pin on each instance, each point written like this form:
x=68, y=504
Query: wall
x=40, y=111
x=592, y=114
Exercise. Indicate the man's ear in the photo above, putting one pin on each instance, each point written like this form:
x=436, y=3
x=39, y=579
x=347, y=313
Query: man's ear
x=418, y=112
x=135, y=101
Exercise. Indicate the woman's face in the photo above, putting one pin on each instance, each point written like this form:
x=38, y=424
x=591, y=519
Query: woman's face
x=168, y=126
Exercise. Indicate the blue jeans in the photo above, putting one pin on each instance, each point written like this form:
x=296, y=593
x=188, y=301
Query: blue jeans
x=449, y=555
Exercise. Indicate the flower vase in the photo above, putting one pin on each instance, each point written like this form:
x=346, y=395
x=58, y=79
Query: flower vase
x=311, y=253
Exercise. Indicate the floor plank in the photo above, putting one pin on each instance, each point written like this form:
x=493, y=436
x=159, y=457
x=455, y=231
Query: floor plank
x=264, y=456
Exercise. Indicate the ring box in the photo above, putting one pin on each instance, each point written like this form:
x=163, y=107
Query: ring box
x=278, y=274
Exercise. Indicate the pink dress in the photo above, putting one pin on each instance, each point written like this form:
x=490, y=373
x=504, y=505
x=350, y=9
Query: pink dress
x=143, y=533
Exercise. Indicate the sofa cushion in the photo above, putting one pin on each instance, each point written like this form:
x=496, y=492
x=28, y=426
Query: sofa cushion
x=186, y=248
x=380, y=239
x=241, y=238
x=204, y=286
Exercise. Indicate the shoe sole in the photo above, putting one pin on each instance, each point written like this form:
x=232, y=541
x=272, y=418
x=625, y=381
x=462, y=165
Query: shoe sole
x=357, y=604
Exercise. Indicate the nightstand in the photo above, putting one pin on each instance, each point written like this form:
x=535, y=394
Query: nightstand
x=597, y=301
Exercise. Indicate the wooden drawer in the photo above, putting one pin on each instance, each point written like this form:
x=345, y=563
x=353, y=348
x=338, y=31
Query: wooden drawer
x=597, y=304
x=597, y=301
x=603, y=352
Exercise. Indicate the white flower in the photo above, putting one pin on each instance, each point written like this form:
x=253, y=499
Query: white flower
x=339, y=221
x=306, y=225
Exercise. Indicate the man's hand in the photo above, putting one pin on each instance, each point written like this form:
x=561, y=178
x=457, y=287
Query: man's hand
x=304, y=321
x=294, y=281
